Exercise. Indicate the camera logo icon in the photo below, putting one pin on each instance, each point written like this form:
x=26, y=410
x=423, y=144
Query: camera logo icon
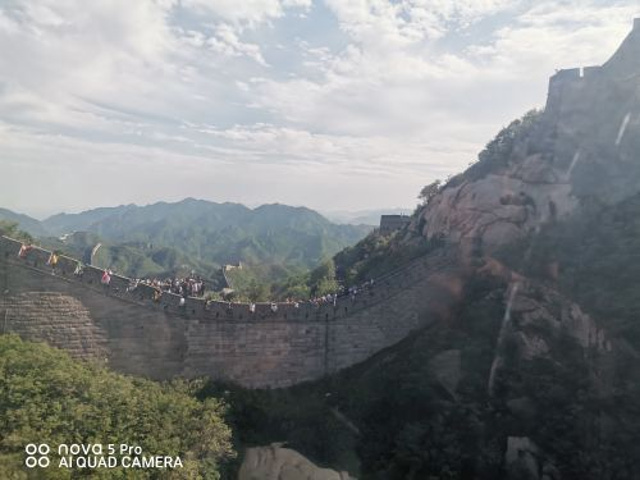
x=37, y=455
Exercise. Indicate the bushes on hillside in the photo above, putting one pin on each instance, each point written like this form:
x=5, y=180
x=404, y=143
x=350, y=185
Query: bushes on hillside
x=498, y=152
x=46, y=397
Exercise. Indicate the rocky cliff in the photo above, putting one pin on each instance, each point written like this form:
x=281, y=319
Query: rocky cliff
x=557, y=167
x=584, y=145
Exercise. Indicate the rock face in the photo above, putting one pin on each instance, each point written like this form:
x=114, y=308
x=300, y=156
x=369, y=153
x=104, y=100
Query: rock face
x=502, y=207
x=536, y=316
x=537, y=309
x=276, y=463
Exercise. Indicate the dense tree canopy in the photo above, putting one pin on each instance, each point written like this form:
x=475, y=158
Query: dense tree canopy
x=46, y=397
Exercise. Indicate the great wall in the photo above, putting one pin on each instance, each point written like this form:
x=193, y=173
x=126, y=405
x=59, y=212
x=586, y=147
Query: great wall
x=134, y=333
x=567, y=86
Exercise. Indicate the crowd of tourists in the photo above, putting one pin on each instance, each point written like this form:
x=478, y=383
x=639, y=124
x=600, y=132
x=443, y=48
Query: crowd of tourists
x=343, y=291
x=328, y=299
x=191, y=286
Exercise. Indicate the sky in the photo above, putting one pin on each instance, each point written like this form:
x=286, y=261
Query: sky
x=330, y=104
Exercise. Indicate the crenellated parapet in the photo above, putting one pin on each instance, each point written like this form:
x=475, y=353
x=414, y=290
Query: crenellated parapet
x=569, y=84
x=567, y=80
x=123, y=288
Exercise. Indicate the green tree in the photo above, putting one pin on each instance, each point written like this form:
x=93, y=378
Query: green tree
x=258, y=291
x=10, y=229
x=46, y=397
x=429, y=192
x=323, y=279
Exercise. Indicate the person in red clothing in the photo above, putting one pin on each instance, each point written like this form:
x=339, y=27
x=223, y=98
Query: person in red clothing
x=24, y=250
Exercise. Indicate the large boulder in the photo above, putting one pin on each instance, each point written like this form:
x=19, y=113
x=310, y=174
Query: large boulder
x=277, y=463
x=522, y=459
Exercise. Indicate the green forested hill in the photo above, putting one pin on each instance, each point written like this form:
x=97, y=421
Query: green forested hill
x=27, y=224
x=221, y=233
x=70, y=222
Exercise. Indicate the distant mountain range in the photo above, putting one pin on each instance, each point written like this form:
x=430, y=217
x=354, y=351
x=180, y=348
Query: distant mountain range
x=195, y=234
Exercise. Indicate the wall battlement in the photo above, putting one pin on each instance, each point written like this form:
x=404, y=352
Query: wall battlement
x=161, y=339
x=567, y=85
x=574, y=75
x=144, y=295
x=568, y=79
x=567, y=74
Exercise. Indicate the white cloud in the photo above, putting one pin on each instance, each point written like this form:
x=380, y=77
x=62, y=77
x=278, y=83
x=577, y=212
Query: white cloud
x=550, y=36
x=226, y=42
x=388, y=81
x=383, y=23
x=353, y=94
x=246, y=12
x=318, y=170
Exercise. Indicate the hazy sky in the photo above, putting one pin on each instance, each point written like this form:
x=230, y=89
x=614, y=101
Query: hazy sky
x=333, y=104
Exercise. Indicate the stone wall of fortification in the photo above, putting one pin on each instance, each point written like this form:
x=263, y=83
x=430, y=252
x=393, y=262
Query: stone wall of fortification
x=133, y=333
x=568, y=85
x=566, y=82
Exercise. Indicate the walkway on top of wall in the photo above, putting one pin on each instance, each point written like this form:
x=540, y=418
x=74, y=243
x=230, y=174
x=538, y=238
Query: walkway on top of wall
x=120, y=287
